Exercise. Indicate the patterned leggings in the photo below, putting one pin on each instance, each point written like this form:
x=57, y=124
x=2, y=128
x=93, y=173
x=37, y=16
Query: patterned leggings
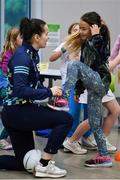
x=96, y=90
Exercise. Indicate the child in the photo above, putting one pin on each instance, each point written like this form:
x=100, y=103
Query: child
x=93, y=75
x=60, y=52
x=66, y=57
x=13, y=40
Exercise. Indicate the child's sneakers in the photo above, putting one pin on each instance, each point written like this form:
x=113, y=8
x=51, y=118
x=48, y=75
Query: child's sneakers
x=5, y=145
x=74, y=147
x=89, y=142
x=58, y=103
x=99, y=161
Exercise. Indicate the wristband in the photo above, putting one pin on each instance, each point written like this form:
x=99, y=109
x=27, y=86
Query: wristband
x=63, y=50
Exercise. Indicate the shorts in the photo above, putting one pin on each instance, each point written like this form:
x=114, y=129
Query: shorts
x=108, y=97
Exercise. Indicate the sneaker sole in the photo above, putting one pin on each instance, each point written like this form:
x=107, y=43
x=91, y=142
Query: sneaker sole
x=99, y=165
x=66, y=150
x=58, y=108
x=39, y=174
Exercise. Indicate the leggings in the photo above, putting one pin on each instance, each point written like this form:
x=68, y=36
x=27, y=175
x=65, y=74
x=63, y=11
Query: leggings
x=96, y=90
x=21, y=120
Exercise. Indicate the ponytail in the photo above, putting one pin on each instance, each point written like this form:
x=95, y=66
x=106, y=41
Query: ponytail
x=29, y=27
x=73, y=42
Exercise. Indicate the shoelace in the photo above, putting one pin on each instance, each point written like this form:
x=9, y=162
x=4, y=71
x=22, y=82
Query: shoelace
x=52, y=166
x=75, y=145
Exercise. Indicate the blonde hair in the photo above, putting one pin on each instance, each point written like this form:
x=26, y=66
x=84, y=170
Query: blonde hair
x=73, y=42
x=10, y=42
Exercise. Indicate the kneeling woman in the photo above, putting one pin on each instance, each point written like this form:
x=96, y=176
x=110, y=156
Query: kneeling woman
x=20, y=116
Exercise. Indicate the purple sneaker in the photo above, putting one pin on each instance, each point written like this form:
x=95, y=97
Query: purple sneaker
x=99, y=161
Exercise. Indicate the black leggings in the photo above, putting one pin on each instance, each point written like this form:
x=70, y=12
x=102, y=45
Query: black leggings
x=21, y=120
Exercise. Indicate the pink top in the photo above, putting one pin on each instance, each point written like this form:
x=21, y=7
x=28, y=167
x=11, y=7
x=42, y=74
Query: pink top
x=4, y=64
x=115, y=48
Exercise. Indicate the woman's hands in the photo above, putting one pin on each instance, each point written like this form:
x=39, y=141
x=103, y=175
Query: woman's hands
x=56, y=91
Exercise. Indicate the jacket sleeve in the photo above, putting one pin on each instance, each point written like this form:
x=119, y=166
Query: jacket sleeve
x=100, y=46
x=22, y=87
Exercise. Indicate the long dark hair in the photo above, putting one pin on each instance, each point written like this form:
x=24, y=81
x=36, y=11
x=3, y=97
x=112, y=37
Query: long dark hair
x=29, y=27
x=94, y=18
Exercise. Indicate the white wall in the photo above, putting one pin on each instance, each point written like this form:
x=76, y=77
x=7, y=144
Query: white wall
x=65, y=12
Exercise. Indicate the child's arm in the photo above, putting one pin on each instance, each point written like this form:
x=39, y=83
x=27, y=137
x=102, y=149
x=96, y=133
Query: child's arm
x=114, y=62
x=100, y=45
x=115, y=48
x=5, y=62
x=57, y=53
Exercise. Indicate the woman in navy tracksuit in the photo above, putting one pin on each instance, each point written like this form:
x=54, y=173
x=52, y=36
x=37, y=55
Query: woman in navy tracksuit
x=20, y=116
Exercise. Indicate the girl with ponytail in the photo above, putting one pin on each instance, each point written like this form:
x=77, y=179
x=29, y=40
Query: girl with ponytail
x=91, y=73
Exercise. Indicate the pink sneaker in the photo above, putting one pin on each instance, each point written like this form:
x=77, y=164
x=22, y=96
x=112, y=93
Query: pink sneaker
x=99, y=161
x=59, y=104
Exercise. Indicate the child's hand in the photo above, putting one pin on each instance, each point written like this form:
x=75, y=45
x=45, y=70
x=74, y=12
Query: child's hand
x=95, y=29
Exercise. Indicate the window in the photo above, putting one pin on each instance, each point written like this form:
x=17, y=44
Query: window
x=0, y=23
x=13, y=12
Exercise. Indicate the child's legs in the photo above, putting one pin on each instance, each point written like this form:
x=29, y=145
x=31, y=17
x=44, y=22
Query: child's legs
x=113, y=110
x=90, y=78
x=74, y=110
x=95, y=118
x=4, y=134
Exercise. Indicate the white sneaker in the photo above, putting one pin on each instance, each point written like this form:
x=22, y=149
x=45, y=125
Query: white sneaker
x=74, y=147
x=49, y=171
x=89, y=142
x=110, y=147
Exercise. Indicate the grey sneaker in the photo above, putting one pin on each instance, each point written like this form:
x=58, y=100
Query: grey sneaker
x=74, y=147
x=89, y=142
x=49, y=171
x=110, y=147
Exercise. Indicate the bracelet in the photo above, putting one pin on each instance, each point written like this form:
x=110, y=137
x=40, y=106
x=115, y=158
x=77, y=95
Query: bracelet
x=63, y=50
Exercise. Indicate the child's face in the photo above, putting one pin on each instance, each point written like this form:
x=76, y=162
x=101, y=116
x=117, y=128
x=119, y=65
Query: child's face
x=84, y=30
x=75, y=29
x=19, y=40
